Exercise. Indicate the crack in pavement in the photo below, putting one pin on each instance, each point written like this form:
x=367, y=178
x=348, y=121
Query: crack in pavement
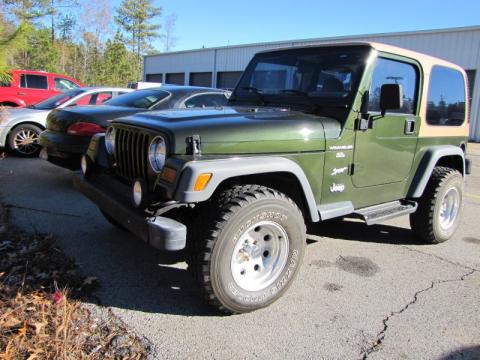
x=11, y=206
x=440, y=258
x=381, y=335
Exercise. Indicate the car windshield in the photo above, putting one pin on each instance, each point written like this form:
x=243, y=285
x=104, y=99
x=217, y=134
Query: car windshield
x=328, y=75
x=143, y=99
x=57, y=100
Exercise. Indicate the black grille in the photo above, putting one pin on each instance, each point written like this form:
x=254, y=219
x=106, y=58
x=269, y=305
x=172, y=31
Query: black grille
x=131, y=153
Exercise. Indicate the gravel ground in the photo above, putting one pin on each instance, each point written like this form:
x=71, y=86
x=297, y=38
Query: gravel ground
x=362, y=292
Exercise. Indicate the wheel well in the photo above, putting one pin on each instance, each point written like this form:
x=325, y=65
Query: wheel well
x=453, y=162
x=8, y=103
x=24, y=123
x=284, y=182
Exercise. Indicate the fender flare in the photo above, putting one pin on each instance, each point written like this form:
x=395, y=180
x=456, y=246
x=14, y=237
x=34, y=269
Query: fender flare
x=425, y=168
x=19, y=102
x=225, y=169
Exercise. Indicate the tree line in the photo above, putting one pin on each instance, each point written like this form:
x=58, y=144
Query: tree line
x=82, y=39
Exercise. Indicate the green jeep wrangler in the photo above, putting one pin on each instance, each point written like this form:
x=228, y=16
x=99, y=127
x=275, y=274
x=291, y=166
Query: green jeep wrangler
x=312, y=133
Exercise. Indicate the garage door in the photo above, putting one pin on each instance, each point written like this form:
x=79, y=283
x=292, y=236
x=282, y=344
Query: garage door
x=176, y=78
x=201, y=79
x=154, y=78
x=228, y=79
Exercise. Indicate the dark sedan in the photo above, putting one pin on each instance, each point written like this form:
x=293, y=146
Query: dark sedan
x=69, y=130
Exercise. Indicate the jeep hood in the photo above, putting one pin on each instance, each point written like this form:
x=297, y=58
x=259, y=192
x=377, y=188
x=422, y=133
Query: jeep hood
x=239, y=130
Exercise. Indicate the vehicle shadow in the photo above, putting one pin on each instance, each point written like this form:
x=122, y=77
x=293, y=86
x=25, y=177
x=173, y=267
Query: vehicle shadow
x=356, y=230
x=141, y=278
x=144, y=279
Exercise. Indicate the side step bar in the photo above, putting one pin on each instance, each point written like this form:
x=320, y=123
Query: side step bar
x=379, y=213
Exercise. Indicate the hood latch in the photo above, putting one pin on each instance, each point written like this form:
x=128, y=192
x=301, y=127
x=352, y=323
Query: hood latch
x=194, y=143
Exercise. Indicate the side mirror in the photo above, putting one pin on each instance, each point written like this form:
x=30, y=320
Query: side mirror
x=391, y=97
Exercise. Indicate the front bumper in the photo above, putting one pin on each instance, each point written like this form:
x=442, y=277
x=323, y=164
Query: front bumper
x=160, y=232
x=63, y=143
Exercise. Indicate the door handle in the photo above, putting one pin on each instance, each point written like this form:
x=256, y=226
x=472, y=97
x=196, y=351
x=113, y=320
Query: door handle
x=20, y=93
x=409, y=126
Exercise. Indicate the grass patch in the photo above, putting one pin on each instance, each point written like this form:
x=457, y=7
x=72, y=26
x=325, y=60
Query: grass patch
x=41, y=310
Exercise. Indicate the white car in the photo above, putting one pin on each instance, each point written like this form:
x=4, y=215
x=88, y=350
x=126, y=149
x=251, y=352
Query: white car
x=20, y=128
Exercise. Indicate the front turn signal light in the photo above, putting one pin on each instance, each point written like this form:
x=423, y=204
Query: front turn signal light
x=202, y=181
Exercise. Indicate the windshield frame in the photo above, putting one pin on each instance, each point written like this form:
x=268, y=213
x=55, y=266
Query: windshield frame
x=294, y=98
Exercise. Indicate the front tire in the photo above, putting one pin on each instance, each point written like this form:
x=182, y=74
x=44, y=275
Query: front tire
x=23, y=140
x=251, y=248
x=439, y=208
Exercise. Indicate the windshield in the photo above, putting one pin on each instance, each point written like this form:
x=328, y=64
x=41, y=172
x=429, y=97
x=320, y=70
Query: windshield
x=57, y=100
x=328, y=75
x=142, y=99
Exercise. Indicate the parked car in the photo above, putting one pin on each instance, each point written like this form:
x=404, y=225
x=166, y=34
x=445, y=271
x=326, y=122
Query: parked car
x=69, y=130
x=28, y=87
x=21, y=127
x=315, y=133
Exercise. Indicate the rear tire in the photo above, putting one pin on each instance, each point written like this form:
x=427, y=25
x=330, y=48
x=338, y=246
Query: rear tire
x=440, y=207
x=23, y=140
x=249, y=248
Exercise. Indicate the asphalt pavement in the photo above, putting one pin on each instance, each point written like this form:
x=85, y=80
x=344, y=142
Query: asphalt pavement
x=363, y=292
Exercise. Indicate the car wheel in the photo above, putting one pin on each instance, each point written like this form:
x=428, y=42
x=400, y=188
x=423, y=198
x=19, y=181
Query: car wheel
x=440, y=206
x=23, y=140
x=250, y=249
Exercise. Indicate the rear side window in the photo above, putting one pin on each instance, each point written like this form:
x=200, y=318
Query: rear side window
x=446, y=97
x=33, y=81
x=206, y=100
x=64, y=84
x=389, y=71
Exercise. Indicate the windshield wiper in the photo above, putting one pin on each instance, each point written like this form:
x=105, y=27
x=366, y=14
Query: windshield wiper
x=293, y=91
x=255, y=91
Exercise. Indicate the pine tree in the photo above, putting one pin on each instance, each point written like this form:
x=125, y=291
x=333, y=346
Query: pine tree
x=134, y=17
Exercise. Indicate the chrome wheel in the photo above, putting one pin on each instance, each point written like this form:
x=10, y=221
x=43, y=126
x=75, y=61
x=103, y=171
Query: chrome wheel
x=449, y=209
x=25, y=141
x=259, y=256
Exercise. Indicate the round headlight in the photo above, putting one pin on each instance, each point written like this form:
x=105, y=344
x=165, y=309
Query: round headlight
x=110, y=140
x=157, y=153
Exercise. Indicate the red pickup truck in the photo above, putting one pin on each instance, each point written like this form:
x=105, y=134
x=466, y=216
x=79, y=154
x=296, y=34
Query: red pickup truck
x=28, y=87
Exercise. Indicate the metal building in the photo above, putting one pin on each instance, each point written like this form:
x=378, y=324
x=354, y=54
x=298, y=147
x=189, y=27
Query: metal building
x=222, y=66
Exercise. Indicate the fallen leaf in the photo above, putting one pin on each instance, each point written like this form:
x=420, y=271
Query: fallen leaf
x=89, y=280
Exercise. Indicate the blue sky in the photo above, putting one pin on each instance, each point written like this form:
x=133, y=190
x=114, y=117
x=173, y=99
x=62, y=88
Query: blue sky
x=219, y=23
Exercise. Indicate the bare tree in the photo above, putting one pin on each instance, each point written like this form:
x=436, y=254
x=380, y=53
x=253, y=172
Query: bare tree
x=168, y=37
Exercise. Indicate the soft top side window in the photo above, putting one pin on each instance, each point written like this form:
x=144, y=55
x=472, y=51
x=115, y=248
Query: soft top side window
x=446, y=97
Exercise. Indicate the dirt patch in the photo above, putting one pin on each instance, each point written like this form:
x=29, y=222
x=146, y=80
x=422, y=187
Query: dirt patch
x=41, y=310
x=357, y=265
x=472, y=240
x=332, y=287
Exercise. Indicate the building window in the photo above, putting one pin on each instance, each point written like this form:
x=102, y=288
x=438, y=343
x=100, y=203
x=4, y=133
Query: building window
x=228, y=79
x=201, y=79
x=154, y=78
x=176, y=78
x=446, y=97
x=394, y=72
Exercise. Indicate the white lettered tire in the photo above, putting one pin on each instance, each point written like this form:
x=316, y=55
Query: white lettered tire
x=251, y=248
